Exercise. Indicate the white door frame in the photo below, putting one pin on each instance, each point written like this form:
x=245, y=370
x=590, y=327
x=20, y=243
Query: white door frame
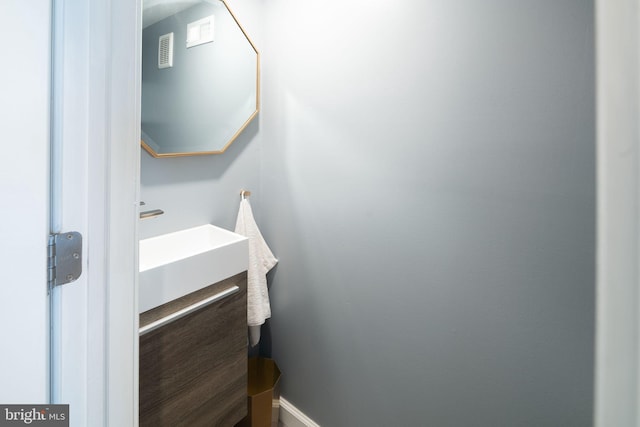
x=96, y=129
x=617, y=378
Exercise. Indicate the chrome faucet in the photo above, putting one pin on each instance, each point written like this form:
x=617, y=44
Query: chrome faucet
x=150, y=214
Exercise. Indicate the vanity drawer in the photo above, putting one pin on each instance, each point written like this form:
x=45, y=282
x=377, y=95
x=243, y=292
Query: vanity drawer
x=193, y=370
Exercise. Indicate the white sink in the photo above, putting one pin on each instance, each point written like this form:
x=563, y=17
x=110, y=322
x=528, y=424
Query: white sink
x=175, y=264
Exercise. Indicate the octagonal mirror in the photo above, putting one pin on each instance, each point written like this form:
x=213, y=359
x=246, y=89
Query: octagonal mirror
x=200, y=77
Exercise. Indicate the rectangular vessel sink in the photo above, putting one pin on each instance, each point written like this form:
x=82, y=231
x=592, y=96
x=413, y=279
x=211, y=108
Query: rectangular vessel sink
x=175, y=264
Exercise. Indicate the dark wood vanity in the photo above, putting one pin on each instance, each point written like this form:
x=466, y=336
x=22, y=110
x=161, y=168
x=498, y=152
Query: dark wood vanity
x=193, y=370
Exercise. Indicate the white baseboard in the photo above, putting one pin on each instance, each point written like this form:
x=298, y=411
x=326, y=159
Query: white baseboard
x=291, y=416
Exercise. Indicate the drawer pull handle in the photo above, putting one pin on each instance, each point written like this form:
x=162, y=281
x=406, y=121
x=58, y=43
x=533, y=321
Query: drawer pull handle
x=187, y=310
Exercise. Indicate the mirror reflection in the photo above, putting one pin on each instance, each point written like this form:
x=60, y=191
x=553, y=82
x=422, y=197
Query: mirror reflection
x=200, y=77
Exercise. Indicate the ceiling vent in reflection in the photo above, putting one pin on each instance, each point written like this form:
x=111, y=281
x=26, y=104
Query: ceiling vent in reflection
x=165, y=51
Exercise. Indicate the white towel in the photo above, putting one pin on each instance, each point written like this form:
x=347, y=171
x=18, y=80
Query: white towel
x=261, y=260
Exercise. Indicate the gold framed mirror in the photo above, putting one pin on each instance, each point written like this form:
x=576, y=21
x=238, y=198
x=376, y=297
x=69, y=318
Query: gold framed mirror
x=200, y=78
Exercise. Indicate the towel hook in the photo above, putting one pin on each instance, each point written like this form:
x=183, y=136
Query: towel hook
x=244, y=194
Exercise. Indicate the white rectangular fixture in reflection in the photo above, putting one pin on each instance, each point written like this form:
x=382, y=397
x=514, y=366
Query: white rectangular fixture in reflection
x=165, y=51
x=200, y=31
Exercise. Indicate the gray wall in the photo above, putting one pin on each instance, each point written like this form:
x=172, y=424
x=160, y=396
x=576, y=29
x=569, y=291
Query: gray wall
x=428, y=186
x=424, y=170
x=206, y=189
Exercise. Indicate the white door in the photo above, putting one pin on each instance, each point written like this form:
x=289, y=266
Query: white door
x=24, y=187
x=88, y=183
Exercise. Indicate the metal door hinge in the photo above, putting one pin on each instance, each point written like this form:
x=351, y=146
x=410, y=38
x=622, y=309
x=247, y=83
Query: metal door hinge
x=65, y=258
